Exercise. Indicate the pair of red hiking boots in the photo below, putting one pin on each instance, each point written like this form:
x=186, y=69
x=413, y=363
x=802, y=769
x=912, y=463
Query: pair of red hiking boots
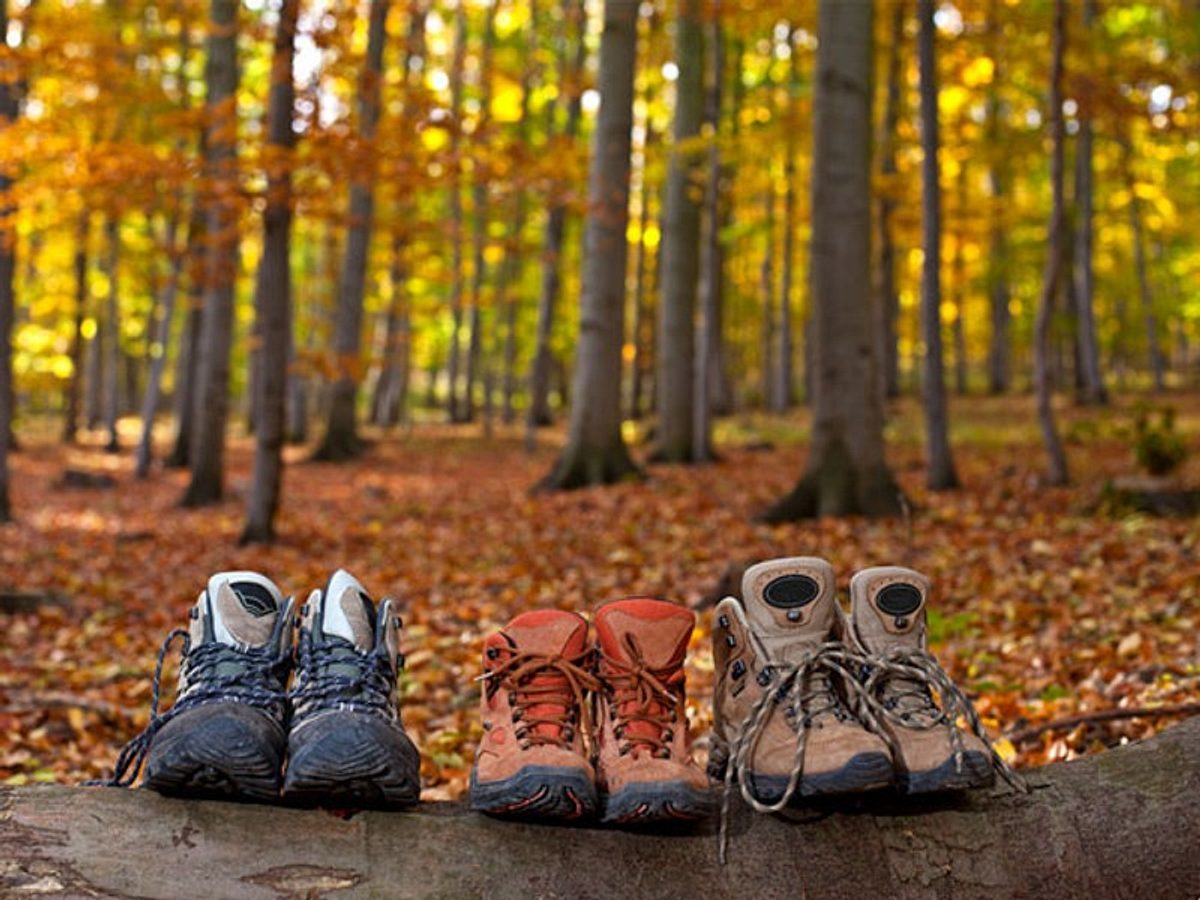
x=574, y=728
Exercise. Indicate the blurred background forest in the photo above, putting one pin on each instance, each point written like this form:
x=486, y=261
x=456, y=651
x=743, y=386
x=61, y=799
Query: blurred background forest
x=336, y=283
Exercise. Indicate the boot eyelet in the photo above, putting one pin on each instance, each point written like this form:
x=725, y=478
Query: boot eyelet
x=723, y=621
x=730, y=640
x=493, y=652
x=739, y=668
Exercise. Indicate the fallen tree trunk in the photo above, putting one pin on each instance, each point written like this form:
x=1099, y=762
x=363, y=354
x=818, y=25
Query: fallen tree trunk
x=1125, y=823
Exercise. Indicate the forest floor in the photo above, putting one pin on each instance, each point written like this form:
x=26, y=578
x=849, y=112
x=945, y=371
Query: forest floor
x=1044, y=607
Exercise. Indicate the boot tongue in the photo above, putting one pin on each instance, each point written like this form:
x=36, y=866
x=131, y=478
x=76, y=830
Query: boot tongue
x=348, y=612
x=241, y=609
x=652, y=634
x=552, y=633
x=791, y=604
x=888, y=608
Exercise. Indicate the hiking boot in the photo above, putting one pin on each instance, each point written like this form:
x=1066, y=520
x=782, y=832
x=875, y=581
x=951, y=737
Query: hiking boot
x=887, y=622
x=645, y=765
x=532, y=761
x=781, y=722
x=226, y=734
x=347, y=747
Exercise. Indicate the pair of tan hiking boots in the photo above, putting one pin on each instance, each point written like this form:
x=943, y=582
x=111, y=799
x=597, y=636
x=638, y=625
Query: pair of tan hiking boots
x=575, y=729
x=810, y=701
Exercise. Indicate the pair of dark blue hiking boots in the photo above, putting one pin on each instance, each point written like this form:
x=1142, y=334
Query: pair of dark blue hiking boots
x=262, y=715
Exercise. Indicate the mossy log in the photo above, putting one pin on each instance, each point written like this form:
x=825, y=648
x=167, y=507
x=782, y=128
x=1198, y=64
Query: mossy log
x=1125, y=823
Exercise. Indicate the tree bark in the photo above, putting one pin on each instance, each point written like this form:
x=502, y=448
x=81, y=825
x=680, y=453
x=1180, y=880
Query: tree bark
x=341, y=439
x=75, y=383
x=888, y=307
x=1120, y=824
x=1093, y=391
x=1057, y=471
x=958, y=274
x=712, y=265
x=596, y=451
x=457, y=275
x=188, y=359
x=785, y=394
x=555, y=234
x=847, y=473
x=675, y=356
x=766, y=276
x=273, y=291
x=211, y=409
x=639, y=366
x=940, y=474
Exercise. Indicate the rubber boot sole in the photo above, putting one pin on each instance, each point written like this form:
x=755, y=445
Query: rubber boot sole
x=648, y=802
x=977, y=772
x=537, y=792
x=223, y=751
x=350, y=760
x=864, y=772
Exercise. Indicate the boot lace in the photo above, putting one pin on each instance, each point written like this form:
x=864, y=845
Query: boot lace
x=213, y=672
x=807, y=693
x=557, y=687
x=898, y=686
x=641, y=695
x=335, y=675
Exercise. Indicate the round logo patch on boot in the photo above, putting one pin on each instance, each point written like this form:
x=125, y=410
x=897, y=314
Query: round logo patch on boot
x=791, y=591
x=898, y=599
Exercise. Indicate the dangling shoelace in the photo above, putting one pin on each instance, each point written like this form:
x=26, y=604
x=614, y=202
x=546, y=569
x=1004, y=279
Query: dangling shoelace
x=909, y=677
x=257, y=670
x=807, y=692
x=643, y=687
x=567, y=685
x=323, y=682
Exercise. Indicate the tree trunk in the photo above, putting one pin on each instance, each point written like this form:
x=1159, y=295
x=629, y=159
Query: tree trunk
x=188, y=359
x=1120, y=824
x=1158, y=365
x=596, y=451
x=211, y=408
x=556, y=228
x=940, y=474
x=341, y=439
x=1057, y=473
x=785, y=393
x=847, y=473
x=457, y=274
x=1093, y=391
x=767, y=289
x=9, y=109
x=75, y=383
x=675, y=355
x=888, y=307
x=958, y=273
x=999, y=295
x=641, y=278
x=273, y=291
x=112, y=332
x=712, y=266
x=162, y=342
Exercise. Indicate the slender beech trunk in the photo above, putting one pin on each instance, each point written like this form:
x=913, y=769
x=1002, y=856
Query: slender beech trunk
x=596, y=451
x=958, y=272
x=211, y=409
x=675, y=356
x=641, y=278
x=1092, y=391
x=785, y=390
x=711, y=262
x=273, y=290
x=888, y=307
x=161, y=344
x=457, y=276
x=1057, y=472
x=75, y=383
x=846, y=473
x=999, y=293
x=940, y=474
x=188, y=359
x=1158, y=366
x=767, y=289
x=9, y=109
x=112, y=333
x=571, y=67
x=341, y=439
